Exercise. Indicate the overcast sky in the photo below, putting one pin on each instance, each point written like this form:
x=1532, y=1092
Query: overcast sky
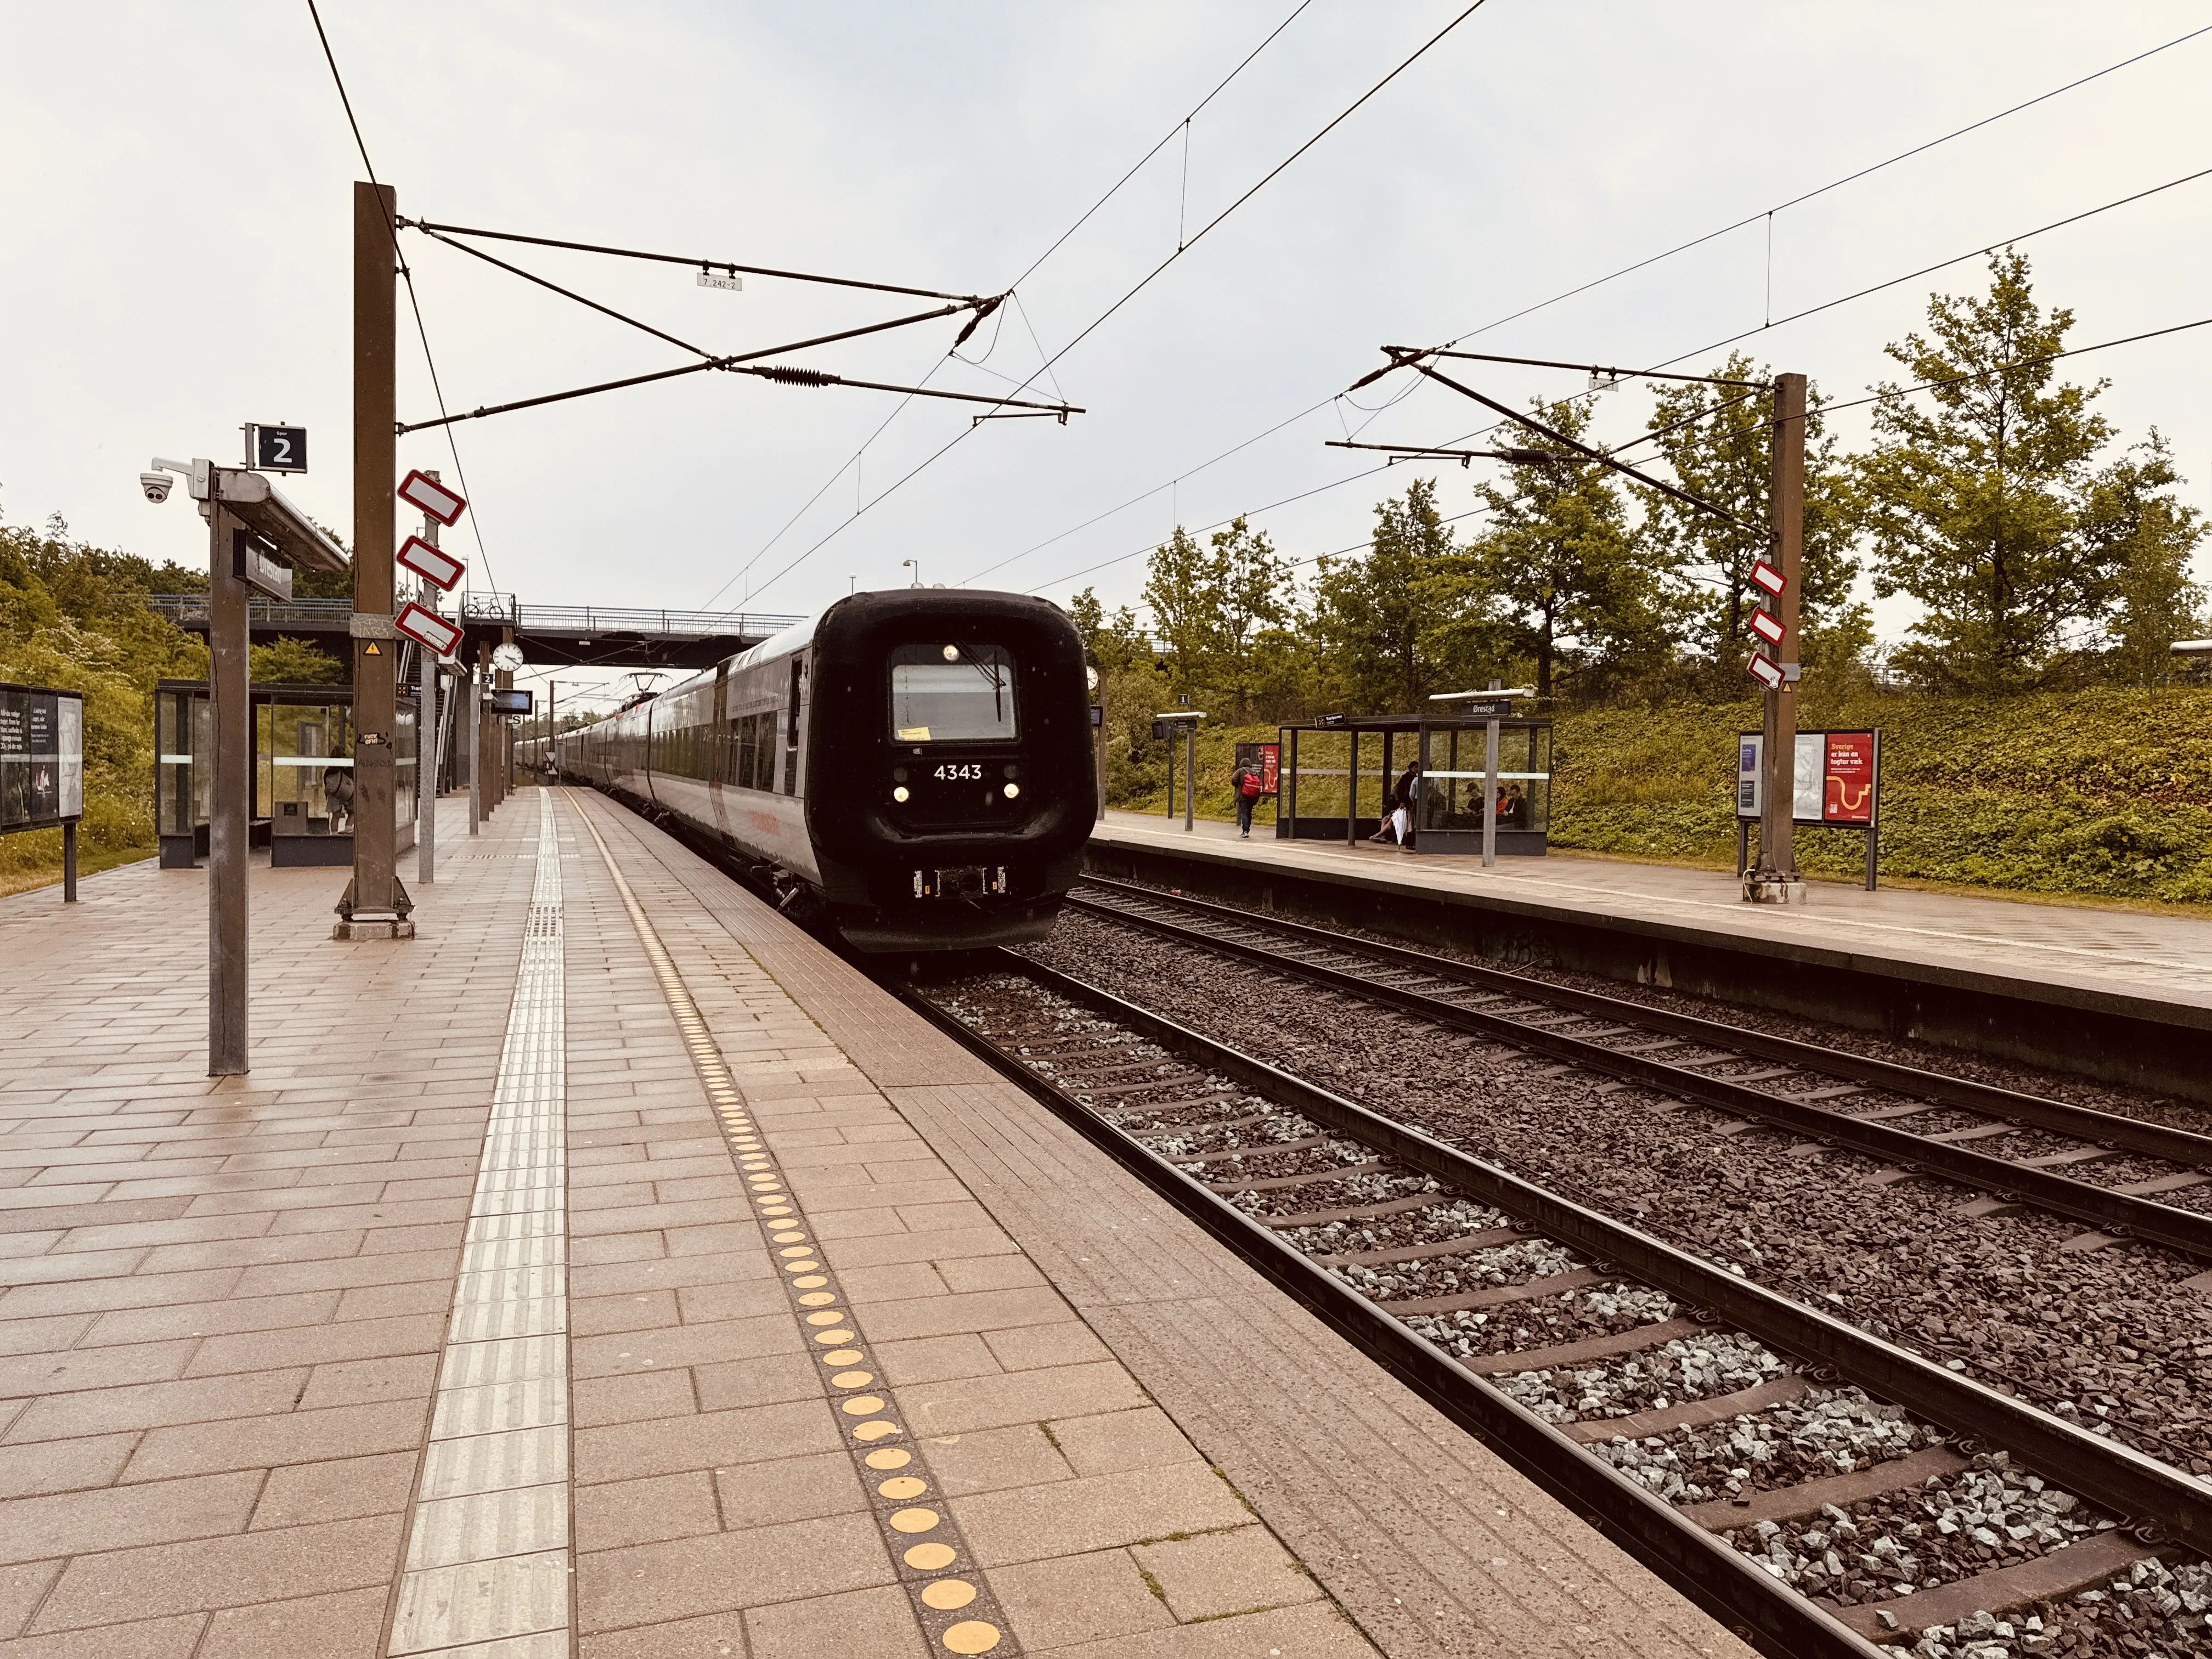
x=175, y=184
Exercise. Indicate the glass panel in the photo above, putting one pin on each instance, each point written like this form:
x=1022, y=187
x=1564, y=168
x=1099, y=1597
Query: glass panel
x=953, y=694
x=403, y=764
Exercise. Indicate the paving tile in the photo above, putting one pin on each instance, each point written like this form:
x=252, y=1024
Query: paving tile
x=138, y=1638
x=1117, y=1441
x=58, y=1370
x=1026, y=1347
x=716, y=1635
x=149, y=1404
x=21, y=1589
x=653, y=1583
x=788, y=1489
x=1314, y=1632
x=963, y=1405
x=983, y=1311
x=1099, y=1597
x=118, y=1517
x=879, y=1623
x=1072, y=1517
x=342, y=1488
x=995, y=1459
x=252, y=1566
x=703, y=1440
x=684, y=1345
x=266, y=1442
x=934, y=1358
x=616, y=1513
x=64, y=1465
x=634, y=1396
x=356, y=1382
x=321, y=1344
x=336, y=1626
x=1215, y=1574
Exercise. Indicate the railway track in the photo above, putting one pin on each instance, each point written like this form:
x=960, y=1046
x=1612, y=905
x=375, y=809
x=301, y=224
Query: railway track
x=1835, y=1099
x=1819, y=1489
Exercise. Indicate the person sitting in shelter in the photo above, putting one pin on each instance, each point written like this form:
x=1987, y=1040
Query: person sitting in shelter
x=1513, y=810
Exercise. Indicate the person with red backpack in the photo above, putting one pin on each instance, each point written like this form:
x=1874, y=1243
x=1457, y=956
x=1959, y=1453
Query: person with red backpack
x=1246, y=784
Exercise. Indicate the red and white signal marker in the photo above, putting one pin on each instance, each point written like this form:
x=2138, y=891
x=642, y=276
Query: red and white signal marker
x=419, y=489
x=1766, y=672
x=1762, y=574
x=416, y=554
x=428, y=629
x=1763, y=624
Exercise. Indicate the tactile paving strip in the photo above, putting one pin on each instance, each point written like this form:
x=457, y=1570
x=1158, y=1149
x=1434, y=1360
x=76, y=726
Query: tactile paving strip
x=951, y=1601
x=488, y=1553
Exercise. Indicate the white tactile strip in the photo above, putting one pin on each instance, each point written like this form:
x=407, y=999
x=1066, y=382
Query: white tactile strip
x=487, y=1571
x=953, y=1603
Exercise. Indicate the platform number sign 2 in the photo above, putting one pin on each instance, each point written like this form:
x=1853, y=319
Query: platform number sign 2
x=280, y=449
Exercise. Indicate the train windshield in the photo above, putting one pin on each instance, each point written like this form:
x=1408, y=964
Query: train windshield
x=953, y=694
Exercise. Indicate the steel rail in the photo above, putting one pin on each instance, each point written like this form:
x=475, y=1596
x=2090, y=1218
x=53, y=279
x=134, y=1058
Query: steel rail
x=2155, y=1497
x=2085, y=1122
x=2118, y=1213
x=1758, y=1607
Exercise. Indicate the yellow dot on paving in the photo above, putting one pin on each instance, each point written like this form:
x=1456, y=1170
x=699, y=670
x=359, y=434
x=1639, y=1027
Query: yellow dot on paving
x=970, y=1636
x=875, y=1431
x=914, y=1520
x=860, y=1405
x=854, y=1379
x=929, y=1558
x=823, y=1318
x=947, y=1594
x=814, y=1298
x=833, y=1336
x=842, y=1357
x=759, y=1182
x=889, y=1457
x=900, y=1487
x=804, y=1265
x=803, y=1250
x=790, y=1238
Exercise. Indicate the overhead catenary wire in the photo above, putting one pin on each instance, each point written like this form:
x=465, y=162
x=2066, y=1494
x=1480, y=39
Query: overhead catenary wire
x=1142, y=283
x=414, y=304
x=1681, y=247
x=1829, y=304
x=1013, y=293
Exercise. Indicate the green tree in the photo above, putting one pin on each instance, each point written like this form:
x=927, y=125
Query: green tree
x=1719, y=444
x=1577, y=591
x=2150, y=539
x=1384, y=622
x=288, y=661
x=1210, y=606
x=1988, y=507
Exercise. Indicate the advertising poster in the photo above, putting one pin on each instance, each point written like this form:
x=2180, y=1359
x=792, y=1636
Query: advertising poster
x=1834, y=780
x=1849, y=795
x=1268, y=756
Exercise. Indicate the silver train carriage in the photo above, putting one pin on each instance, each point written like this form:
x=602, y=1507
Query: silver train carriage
x=918, y=762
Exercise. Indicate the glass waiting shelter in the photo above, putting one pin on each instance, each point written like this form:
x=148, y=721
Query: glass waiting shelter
x=302, y=770
x=1338, y=772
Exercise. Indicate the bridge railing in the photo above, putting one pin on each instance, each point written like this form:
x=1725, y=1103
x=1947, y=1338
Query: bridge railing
x=595, y=619
x=330, y=616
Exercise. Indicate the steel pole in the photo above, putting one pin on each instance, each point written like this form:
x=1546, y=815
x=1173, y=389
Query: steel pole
x=1189, y=775
x=426, y=740
x=376, y=897
x=228, y=811
x=474, y=745
x=1777, y=856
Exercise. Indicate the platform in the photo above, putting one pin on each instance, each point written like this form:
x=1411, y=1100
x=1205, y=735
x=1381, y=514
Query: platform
x=2042, y=983
x=613, y=1270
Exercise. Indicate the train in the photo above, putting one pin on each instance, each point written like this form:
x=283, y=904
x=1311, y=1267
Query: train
x=913, y=766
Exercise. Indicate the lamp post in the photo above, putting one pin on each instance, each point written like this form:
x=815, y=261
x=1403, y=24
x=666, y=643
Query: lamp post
x=1164, y=726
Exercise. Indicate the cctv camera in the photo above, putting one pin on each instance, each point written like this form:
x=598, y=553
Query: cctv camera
x=156, y=485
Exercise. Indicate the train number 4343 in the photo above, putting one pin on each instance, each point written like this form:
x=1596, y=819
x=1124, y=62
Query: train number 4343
x=959, y=773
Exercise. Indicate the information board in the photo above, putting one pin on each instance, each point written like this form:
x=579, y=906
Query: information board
x=1835, y=781
x=41, y=758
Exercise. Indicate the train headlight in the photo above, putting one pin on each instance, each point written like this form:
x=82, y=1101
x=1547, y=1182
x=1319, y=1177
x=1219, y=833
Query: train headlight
x=1013, y=790
x=899, y=794
x=952, y=653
